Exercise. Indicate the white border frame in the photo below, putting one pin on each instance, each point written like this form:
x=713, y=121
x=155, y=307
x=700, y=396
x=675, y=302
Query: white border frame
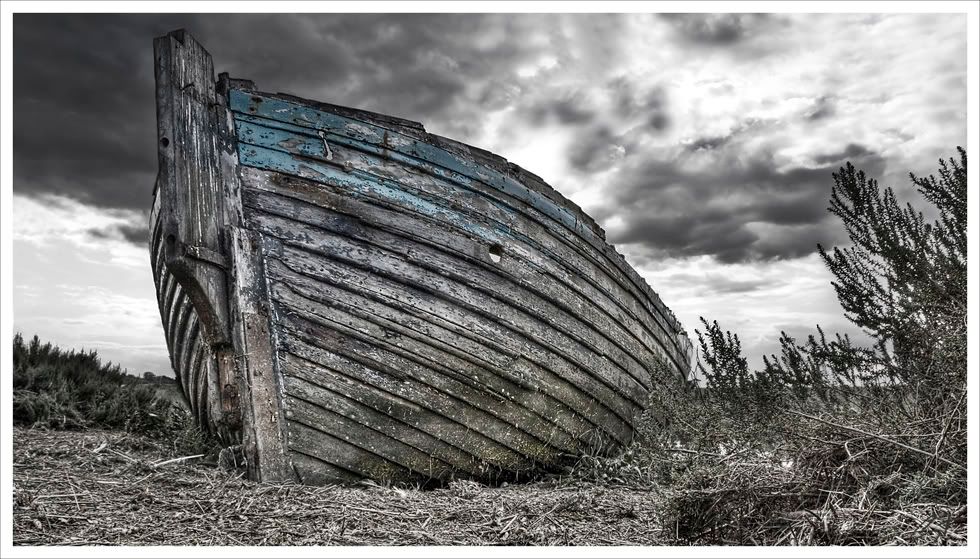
x=8, y=9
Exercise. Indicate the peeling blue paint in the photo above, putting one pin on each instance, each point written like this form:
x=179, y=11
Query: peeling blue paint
x=249, y=107
x=360, y=186
x=279, y=135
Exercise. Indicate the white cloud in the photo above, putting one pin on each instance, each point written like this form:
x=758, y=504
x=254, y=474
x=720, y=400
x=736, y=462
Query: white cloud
x=51, y=220
x=755, y=301
x=80, y=291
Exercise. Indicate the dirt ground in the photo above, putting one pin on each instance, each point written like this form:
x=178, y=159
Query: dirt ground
x=111, y=488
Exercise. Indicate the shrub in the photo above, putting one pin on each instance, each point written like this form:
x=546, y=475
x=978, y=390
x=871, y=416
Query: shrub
x=61, y=389
x=831, y=442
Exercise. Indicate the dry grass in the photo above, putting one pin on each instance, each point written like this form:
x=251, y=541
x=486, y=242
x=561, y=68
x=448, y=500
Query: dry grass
x=103, y=488
x=836, y=491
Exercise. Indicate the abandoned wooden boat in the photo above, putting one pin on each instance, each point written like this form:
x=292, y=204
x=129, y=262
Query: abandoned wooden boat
x=350, y=297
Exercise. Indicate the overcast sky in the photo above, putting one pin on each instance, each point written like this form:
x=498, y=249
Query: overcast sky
x=703, y=144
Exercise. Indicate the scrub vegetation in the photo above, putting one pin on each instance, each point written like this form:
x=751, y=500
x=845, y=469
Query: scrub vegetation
x=74, y=390
x=831, y=442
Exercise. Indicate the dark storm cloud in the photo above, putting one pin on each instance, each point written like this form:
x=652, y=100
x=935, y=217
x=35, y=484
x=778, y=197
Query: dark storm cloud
x=850, y=152
x=712, y=282
x=595, y=149
x=84, y=106
x=498, y=95
x=649, y=107
x=824, y=108
x=716, y=29
x=729, y=203
x=707, y=143
x=643, y=108
x=84, y=114
x=596, y=144
x=567, y=108
x=136, y=234
x=572, y=111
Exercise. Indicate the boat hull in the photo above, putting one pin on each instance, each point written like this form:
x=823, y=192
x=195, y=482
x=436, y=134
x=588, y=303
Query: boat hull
x=378, y=302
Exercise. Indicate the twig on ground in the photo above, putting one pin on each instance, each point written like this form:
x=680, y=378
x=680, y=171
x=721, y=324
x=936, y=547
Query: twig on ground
x=879, y=437
x=175, y=460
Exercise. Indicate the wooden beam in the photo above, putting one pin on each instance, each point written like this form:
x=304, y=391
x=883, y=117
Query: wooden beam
x=259, y=378
x=197, y=198
x=189, y=183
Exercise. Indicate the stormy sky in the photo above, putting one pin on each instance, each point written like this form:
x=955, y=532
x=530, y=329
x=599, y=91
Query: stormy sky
x=703, y=143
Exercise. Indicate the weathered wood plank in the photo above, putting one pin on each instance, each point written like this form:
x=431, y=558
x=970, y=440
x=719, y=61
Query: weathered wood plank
x=513, y=267
x=318, y=409
x=523, y=333
x=465, y=427
x=527, y=363
x=169, y=297
x=422, y=384
x=313, y=471
x=198, y=363
x=441, y=372
x=196, y=196
x=204, y=375
x=173, y=327
x=190, y=364
x=426, y=453
x=304, y=139
x=188, y=182
x=258, y=382
x=564, y=258
x=225, y=398
x=192, y=345
x=553, y=371
x=177, y=336
x=517, y=309
x=399, y=145
x=451, y=210
x=518, y=400
x=415, y=424
x=340, y=452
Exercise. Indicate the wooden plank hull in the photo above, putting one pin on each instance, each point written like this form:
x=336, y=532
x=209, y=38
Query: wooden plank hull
x=393, y=305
